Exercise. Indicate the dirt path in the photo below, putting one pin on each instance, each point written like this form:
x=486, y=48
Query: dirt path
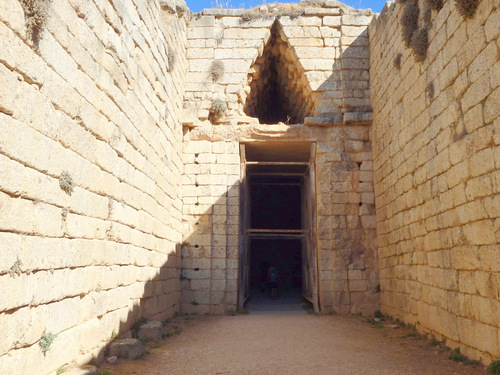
x=284, y=339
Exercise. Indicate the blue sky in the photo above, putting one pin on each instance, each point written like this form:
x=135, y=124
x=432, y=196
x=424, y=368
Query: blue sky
x=198, y=5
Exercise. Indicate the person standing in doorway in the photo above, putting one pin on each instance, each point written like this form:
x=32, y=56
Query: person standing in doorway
x=272, y=280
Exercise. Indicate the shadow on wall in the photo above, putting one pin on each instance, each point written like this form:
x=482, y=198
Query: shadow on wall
x=159, y=301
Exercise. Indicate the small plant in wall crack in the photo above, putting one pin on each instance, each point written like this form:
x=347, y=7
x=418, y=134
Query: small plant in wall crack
x=16, y=268
x=46, y=341
x=218, y=108
x=66, y=183
x=216, y=70
x=171, y=58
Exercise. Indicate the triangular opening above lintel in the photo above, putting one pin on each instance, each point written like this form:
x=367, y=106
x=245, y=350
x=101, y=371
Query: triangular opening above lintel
x=277, y=84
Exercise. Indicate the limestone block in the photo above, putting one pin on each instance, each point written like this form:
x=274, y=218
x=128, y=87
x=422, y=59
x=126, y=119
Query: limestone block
x=126, y=348
x=332, y=21
x=12, y=14
x=317, y=52
x=356, y=19
x=240, y=53
x=237, y=33
x=84, y=370
x=354, y=31
x=200, y=53
x=313, y=11
x=202, y=21
x=150, y=330
x=201, y=33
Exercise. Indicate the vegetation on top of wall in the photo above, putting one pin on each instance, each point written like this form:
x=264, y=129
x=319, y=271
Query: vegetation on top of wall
x=414, y=37
x=409, y=20
x=35, y=14
x=467, y=8
x=434, y=4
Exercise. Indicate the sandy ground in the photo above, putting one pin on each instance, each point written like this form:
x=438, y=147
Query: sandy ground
x=280, y=337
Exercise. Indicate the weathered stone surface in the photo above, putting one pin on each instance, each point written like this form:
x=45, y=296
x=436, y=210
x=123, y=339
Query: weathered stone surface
x=126, y=348
x=84, y=370
x=150, y=330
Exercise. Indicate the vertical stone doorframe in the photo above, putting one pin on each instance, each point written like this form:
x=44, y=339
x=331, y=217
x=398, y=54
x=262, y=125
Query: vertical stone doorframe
x=307, y=234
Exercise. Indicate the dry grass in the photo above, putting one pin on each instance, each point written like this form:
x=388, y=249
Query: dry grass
x=397, y=61
x=35, y=14
x=409, y=21
x=419, y=43
x=217, y=70
x=467, y=8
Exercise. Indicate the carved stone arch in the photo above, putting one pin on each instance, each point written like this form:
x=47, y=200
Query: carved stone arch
x=277, y=89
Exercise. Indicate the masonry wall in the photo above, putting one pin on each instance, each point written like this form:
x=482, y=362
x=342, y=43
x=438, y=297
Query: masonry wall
x=345, y=230
x=436, y=137
x=323, y=53
x=90, y=172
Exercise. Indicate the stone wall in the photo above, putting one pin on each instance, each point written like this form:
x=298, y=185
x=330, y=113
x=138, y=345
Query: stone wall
x=345, y=229
x=321, y=54
x=90, y=172
x=436, y=137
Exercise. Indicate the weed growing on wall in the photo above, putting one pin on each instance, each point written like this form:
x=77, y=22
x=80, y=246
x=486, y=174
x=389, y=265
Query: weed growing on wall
x=66, y=183
x=46, y=341
x=419, y=43
x=409, y=21
x=467, y=8
x=171, y=58
x=216, y=70
x=397, y=61
x=35, y=14
x=16, y=268
x=218, y=108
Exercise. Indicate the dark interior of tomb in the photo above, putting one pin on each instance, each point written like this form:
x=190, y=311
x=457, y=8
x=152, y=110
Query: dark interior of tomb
x=285, y=254
x=275, y=202
x=269, y=101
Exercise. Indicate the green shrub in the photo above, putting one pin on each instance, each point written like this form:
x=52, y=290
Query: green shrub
x=494, y=367
x=456, y=356
x=46, y=341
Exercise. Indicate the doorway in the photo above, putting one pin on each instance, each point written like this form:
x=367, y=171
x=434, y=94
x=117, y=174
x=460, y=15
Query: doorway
x=277, y=200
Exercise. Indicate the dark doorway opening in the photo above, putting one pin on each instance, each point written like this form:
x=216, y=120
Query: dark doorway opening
x=277, y=196
x=275, y=202
x=285, y=255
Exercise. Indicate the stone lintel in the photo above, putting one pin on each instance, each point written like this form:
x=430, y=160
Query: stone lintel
x=223, y=12
x=333, y=120
x=358, y=118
